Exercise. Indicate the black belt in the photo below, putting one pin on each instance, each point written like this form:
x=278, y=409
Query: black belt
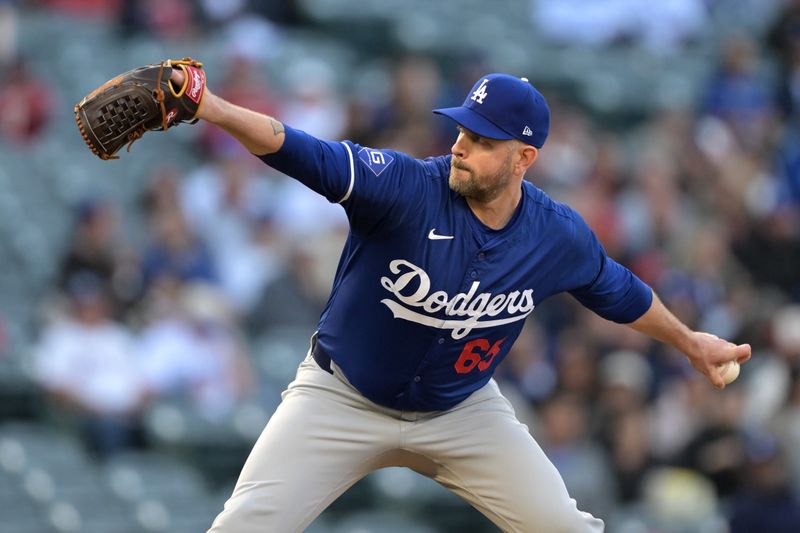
x=319, y=355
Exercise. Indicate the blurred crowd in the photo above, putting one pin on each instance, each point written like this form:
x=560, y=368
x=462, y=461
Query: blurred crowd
x=701, y=201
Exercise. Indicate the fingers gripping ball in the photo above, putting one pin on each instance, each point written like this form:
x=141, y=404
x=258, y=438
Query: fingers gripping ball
x=143, y=99
x=729, y=371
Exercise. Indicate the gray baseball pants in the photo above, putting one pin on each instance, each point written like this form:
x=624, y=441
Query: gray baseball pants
x=325, y=436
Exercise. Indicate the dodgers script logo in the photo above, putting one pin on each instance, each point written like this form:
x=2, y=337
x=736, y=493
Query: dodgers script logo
x=471, y=305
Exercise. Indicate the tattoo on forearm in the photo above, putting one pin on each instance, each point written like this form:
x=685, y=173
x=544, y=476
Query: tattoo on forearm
x=277, y=127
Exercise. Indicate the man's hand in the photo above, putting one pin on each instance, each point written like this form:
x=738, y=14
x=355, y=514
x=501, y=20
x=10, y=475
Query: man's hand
x=178, y=77
x=707, y=352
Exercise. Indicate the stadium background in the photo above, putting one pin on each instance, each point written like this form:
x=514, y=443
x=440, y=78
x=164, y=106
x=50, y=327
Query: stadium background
x=153, y=308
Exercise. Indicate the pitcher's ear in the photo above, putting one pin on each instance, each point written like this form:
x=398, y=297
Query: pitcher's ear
x=528, y=155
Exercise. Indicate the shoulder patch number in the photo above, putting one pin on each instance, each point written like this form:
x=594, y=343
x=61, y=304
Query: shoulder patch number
x=375, y=160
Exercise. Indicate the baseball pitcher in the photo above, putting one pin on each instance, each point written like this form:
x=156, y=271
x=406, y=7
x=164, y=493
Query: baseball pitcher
x=445, y=259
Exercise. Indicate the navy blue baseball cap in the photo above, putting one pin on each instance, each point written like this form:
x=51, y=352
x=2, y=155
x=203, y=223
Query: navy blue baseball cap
x=503, y=107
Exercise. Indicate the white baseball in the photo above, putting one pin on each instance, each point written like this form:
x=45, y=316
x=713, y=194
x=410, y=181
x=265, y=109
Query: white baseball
x=729, y=371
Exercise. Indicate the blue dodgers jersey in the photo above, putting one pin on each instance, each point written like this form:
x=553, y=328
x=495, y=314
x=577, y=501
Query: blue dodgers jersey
x=427, y=300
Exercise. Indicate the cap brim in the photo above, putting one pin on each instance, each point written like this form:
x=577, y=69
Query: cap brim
x=475, y=122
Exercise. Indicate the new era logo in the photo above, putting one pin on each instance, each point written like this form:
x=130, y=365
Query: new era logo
x=527, y=131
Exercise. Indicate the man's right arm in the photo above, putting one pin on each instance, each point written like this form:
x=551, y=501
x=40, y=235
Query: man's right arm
x=260, y=134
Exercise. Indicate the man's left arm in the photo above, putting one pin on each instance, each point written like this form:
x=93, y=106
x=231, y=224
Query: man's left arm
x=705, y=351
x=615, y=293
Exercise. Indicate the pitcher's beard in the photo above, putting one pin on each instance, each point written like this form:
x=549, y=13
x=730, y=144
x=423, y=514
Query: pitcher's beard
x=479, y=188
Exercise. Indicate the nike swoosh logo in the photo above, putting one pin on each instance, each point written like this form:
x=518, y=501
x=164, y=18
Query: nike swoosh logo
x=434, y=237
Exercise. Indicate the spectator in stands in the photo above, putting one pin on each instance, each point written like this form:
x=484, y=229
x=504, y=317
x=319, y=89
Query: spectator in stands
x=786, y=199
x=296, y=297
x=595, y=198
x=783, y=38
x=95, y=247
x=766, y=500
x=91, y=246
x=770, y=391
x=571, y=147
x=738, y=94
x=165, y=20
x=162, y=193
x=697, y=288
x=230, y=203
x=717, y=449
x=175, y=252
x=312, y=103
x=404, y=122
x=194, y=354
x=769, y=248
x=576, y=362
x=677, y=415
x=630, y=453
x=625, y=379
x=264, y=260
x=87, y=365
x=26, y=104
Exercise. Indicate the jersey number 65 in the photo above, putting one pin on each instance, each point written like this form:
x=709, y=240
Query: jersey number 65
x=477, y=352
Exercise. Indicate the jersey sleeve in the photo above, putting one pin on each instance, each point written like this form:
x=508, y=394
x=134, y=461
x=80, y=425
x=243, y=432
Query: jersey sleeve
x=600, y=283
x=372, y=185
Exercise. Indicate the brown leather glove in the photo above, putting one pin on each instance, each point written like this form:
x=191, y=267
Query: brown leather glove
x=143, y=99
